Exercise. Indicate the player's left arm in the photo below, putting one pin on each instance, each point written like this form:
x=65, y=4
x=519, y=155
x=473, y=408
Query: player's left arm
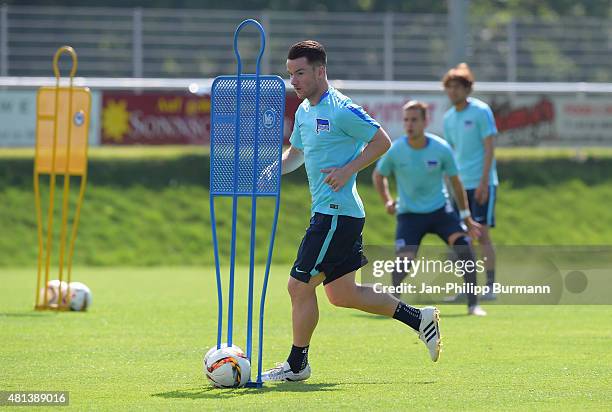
x=482, y=191
x=464, y=209
x=338, y=176
x=488, y=130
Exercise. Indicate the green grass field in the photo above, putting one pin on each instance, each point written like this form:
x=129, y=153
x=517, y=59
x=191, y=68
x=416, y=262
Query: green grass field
x=146, y=207
x=140, y=347
x=144, y=248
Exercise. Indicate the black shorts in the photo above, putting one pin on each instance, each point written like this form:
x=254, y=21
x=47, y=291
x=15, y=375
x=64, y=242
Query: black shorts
x=331, y=245
x=411, y=227
x=483, y=214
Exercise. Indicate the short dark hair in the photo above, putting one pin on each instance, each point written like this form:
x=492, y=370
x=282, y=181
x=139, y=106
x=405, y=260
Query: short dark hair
x=416, y=105
x=460, y=73
x=312, y=50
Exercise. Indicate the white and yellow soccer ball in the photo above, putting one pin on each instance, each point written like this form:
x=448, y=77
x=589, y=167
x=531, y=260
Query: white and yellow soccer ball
x=52, y=290
x=226, y=368
x=80, y=297
x=234, y=348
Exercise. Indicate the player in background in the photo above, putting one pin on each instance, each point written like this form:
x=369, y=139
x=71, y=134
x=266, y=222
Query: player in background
x=469, y=127
x=419, y=162
x=335, y=139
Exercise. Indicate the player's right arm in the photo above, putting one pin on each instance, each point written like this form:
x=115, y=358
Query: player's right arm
x=381, y=183
x=447, y=132
x=293, y=158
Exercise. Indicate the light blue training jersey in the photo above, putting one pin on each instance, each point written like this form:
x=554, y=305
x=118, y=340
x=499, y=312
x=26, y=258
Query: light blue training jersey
x=466, y=131
x=331, y=134
x=419, y=173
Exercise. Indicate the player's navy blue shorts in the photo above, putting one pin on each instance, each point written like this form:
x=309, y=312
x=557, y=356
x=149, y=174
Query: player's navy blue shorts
x=483, y=214
x=412, y=227
x=331, y=245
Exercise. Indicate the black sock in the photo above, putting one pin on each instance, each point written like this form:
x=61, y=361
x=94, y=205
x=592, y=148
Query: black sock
x=298, y=358
x=408, y=315
x=463, y=249
x=490, y=277
x=397, y=277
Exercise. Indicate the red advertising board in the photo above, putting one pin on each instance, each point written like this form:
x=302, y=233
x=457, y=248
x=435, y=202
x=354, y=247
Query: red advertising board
x=164, y=119
x=155, y=119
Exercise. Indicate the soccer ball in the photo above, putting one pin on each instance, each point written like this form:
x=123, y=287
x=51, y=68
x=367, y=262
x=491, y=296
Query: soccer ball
x=80, y=297
x=234, y=348
x=226, y=368
x=52, y=290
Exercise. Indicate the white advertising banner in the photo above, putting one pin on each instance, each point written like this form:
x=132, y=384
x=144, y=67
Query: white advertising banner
x=18, y=118
x=584, y=120
x=549, y=120
x=387, y=110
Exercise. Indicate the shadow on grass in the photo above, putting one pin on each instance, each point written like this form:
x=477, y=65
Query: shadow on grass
x=28, y=314
x=214, y=393
x=380, y=317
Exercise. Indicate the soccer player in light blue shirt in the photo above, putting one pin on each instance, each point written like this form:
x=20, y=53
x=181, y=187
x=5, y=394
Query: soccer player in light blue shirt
x=419, y=170
x=331, y=133
x=335, y=139
x=420, y=161
x=469, y=126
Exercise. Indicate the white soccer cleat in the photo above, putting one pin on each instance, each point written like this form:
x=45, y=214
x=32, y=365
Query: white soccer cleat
x=429, y=331
x=283, y=372
x=476, y=310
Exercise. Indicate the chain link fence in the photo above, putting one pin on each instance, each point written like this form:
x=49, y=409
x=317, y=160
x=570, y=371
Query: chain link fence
x=169, y=43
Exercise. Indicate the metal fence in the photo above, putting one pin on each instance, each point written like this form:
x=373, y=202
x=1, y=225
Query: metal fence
x=150, y=43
